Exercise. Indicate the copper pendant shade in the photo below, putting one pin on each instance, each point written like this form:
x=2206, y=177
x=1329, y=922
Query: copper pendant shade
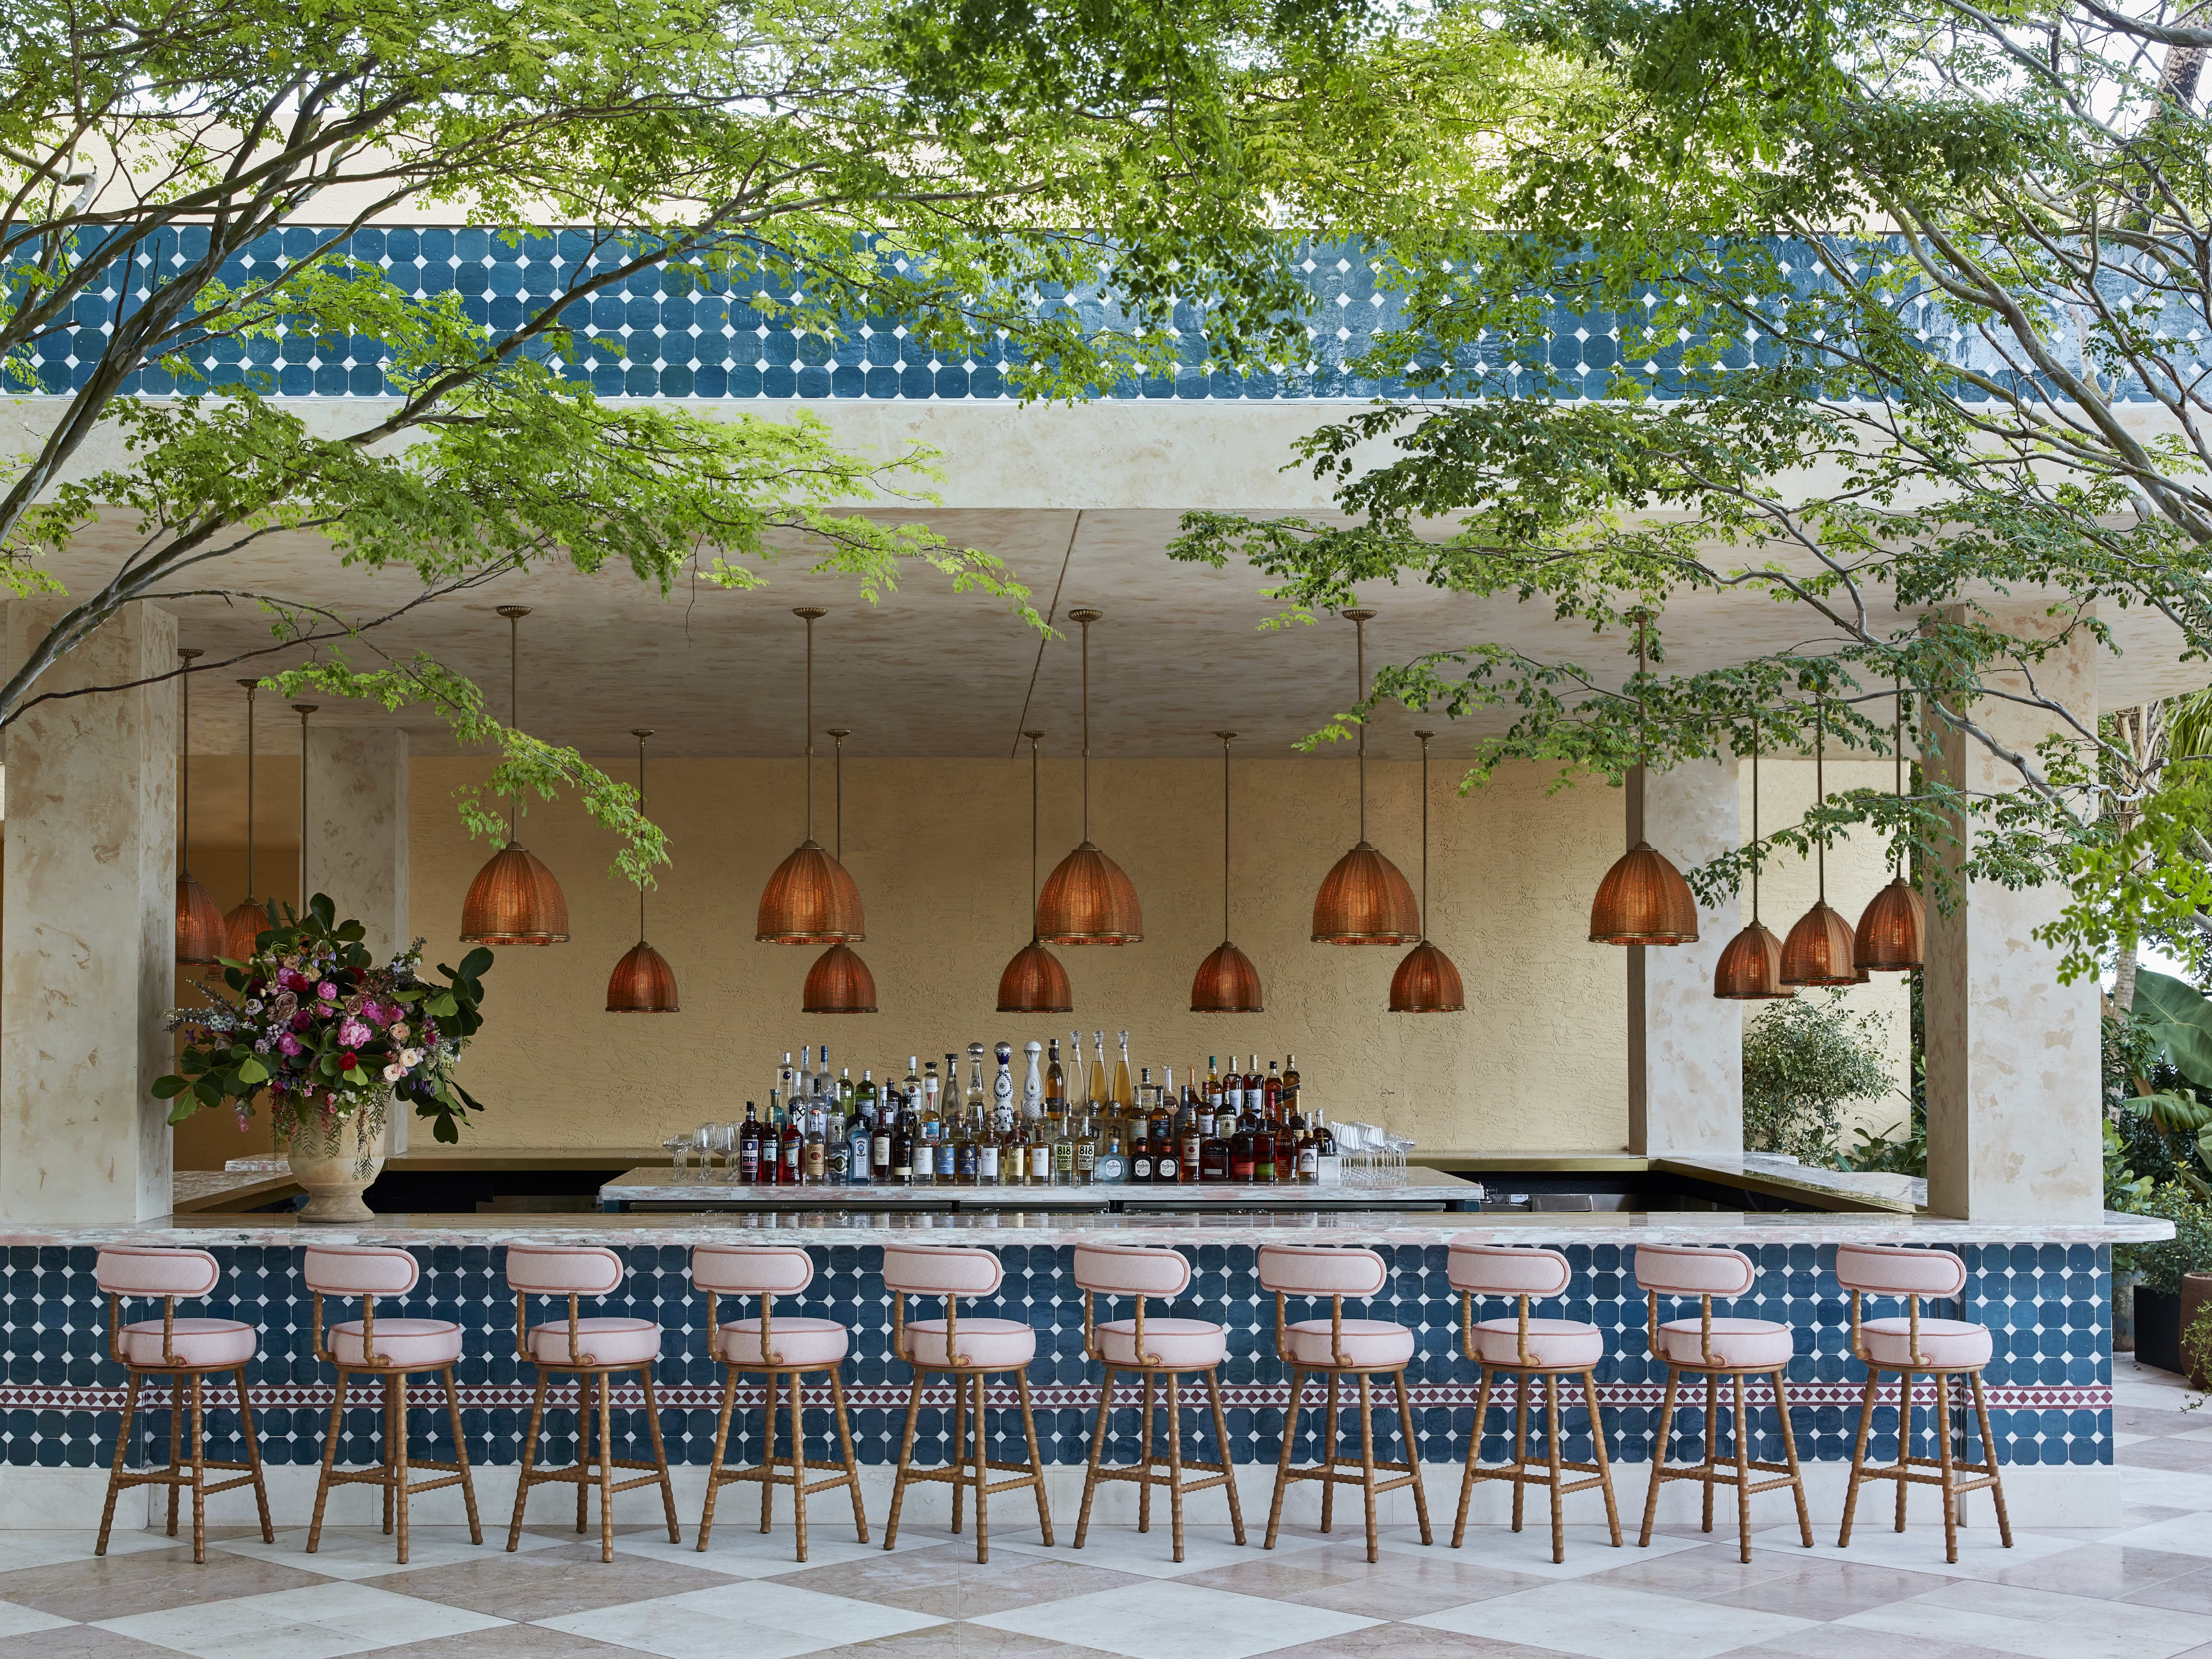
x=810, y=899
x=1642, y=899
x=1426, y=982
x=1364, y=899
x=1034, y=982
x=1226, y=982
x=199, y=920
x=642, y=981
x=1087, y=900
x=1892, y=936
x=1750, y=968
x=247, y=921
x=839, y=982
x=515, y=899
x=1819, y=950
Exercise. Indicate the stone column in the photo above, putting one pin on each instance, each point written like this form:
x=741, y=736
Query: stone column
x=2012, y=1056
x=357, y=838
x=1685, y=1045
x=88, y=930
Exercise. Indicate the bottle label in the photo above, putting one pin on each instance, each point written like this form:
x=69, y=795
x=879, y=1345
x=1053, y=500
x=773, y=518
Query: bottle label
x=748, y=1162
x=883, y=1151
x=1308, y=1163
x=1040, y=1163
x=1113, y=1169
x=967, y=1164
x=1140, y=1167
x=947, y=1161
x=986, y=1163
x=791, y=1162
x=814, y=1160
x=902, y=1171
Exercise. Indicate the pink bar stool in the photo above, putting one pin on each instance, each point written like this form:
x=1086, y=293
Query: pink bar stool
x=1339, y=1348
x=1160, y=1351
x=785, y=1349
x=1713, y=1349
x=1944, y=1349
x=968, y=1351
x=596, y=1349
x=1528, y=1350
x=389, y=1351
x=182, y=1350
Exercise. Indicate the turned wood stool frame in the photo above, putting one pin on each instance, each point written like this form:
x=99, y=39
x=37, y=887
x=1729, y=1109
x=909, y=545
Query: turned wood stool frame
x=1141, y=1272
x=574, y=1272
x=1962, y=1350
x=767, y=1271
x=172, y=1275
x=1684, y=1271
x=995, y=1345
x=1523, y=1273
x=1315, y=1271
x=369, y=1272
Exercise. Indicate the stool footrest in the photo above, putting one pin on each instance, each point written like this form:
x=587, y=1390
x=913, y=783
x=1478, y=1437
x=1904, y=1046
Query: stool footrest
x=1724, y=1474
x=778, y=1475
x=1406, y=1474
x=1539, y=1475
x=183, y=1477
x=384, y=1478
x=586, y=1474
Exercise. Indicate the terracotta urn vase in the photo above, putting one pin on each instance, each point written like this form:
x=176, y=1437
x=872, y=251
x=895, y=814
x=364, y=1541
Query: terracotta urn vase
x=337, y=1158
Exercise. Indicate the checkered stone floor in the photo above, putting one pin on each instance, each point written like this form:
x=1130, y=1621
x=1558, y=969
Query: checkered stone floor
x=2140, y=1590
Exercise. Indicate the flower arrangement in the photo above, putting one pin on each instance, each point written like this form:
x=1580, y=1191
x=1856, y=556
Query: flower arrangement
x=309, y=1020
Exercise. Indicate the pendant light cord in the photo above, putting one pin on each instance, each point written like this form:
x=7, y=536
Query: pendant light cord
x=1086, y=728
x=1225, y=736
x=1360, y=685
x=1643, y=707
x=1754, y=820
x=641, y=737
x=1897, y=747
x=807, y=613
x=1820, y=789
x=514, y=699
x=1424, y=736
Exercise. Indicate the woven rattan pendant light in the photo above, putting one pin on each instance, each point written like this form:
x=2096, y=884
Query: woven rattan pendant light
x=1226, y=982
x=1364, y=899
x=1034, y=982
x=1087, y=900
x=1426, y=982
x=515, y=899
x=810, y=899
x=247, y=919
x=642, y=981
x=1750, y=968
x=1892, y=937
x=1819, y=948
x=199, y=920
x=1642, y=899
x=839, y=982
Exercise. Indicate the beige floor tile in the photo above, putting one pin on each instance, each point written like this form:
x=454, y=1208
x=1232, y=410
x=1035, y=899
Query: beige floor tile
x=950, y=1584
x=151, y=1581
x=1409, y=1641
x=2185, y=1593
x=506, y=1642
x=80, y=1642
x=1341, y=1578
x=548, y=1583
x=959, y=1642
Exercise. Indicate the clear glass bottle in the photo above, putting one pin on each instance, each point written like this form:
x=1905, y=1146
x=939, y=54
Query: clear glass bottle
x=948, y=1133
x=1040, y=1150
x=921, y=1088
x=1123, y=1096
x=1140, y=1130
x=1190, y=1141
x=1167, y=1149
x=1066, y=1131
x=814, y=1166
x=794, y=1150
x=1055, y=1084
x=1308, y=1155
x=881, y=1150
x=1086, y=1152
x=1097, y=1095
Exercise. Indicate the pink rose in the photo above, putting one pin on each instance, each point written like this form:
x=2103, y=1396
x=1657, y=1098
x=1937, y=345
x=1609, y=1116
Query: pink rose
x=289, y=1044
x=354, y=1034
x=327, y=992
x=302, y=1020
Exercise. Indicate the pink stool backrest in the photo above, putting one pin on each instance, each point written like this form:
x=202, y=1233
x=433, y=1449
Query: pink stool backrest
x=144, y=1270
x=562, y=1270
x=1132, y=1269
x=360, y=1270
x=1692, y=1270
x=751, y=1269
x=1897, y=1270
x=1322, y=1270
x=1506, y=1270
x=941, y=1270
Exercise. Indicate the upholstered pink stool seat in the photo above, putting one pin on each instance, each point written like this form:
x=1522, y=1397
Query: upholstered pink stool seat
x=1175, y=1344
x=794, y=1343
x=416, y=1344
x=604, y=1341
x=1945, y=1344
x=199, y=1344
x=1737, y=1344
x=1367, y=1343
x=1567, y=1344
x=990, y=1345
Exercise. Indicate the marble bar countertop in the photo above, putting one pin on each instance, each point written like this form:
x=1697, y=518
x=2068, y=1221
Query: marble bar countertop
x=1050, y=1228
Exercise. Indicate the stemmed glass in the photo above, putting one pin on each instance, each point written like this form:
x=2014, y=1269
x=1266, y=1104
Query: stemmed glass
x=675, y=1146
x=702, y=1142
x=726, y=1142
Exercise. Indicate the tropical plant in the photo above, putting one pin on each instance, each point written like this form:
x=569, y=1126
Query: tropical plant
x=1806, y=1062
x=2163, y=1261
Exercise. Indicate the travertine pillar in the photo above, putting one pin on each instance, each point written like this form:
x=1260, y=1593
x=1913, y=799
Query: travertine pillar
x=2012, y=1063
x=87, y=932
x=1685, y=1045
x=357, y=838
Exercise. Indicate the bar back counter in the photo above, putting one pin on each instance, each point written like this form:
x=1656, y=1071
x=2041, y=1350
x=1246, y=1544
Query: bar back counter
x=2045, y=1290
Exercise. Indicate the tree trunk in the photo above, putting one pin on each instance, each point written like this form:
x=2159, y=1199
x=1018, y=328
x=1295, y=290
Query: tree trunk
x=2124, y=981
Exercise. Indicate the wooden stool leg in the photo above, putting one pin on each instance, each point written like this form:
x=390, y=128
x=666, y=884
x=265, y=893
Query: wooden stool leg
x=586, y=1389
x=1330, y=1439
x=253, y=1458
x=771, y=1403
x=122, y=1462
x=1145, y=1454
x=1282, y=1465
x=606, y=1391
x=852, y=1463
x=1098, y=1451
x=1742, y=1472
x=983, y=1471
x=1520, y=1441
x=199, y=1470
x=529, y=1464
x=1949, y=1472
x=1904, y=1440
x=176, y=1444
x=1990, y=1457
x=797, y=1468
x=1175, y=1462
x=960, y=1394
x=388, y=1451
x=1413, y=1457
x=1659, y=1457
x=1789, y=1456
x=1858, y=1457
x=1551, y=1451
x=659, y=1452
x=1037, y=1456
x=1604, y=1462
x=330, y=1458
x=1367, y=1463
x=1712, y=1441
x=906, y=1459
x=1473, y=1457
x=1228, y=1461
x=399, y=1456
x=720, y=1454
x=461, y=1456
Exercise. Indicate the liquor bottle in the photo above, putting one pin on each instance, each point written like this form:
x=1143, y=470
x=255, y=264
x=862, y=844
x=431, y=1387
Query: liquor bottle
x=1324, y=1140
x=786, y=1075
x=1271, y=1095
x=836, y=1150
x=988, y=1161
x=1046, y=1131
x=1240, y=1150
x=860, y=1146
x=881, y=1151
x=1254, y=1094
x=771, y=1143
x=748, y=1142
x=814, y=1158
x=1263, y=1148
x=794, y=1149
x=1190, y=1140
x=868, y=1102
x=1213, y=1096
x=1086, y=1152
x=1002, y=1089
x=1287, y=1152
x=1073, y=1076
x=1140, y=1135
x=902, y=1151
x=1066, y=1131
x=1033, y=1084
x=921, y=1099
x=1122, y=1096
x=1214, y=1152
x=822, y=1083
x=1232, y=1090
x=1308, y=1165
x=1113, y=1151
x=1167, y=1150
x=948, y=1143
x=1290, y=1084
x=1055, y=1083
x=1097, y=1095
